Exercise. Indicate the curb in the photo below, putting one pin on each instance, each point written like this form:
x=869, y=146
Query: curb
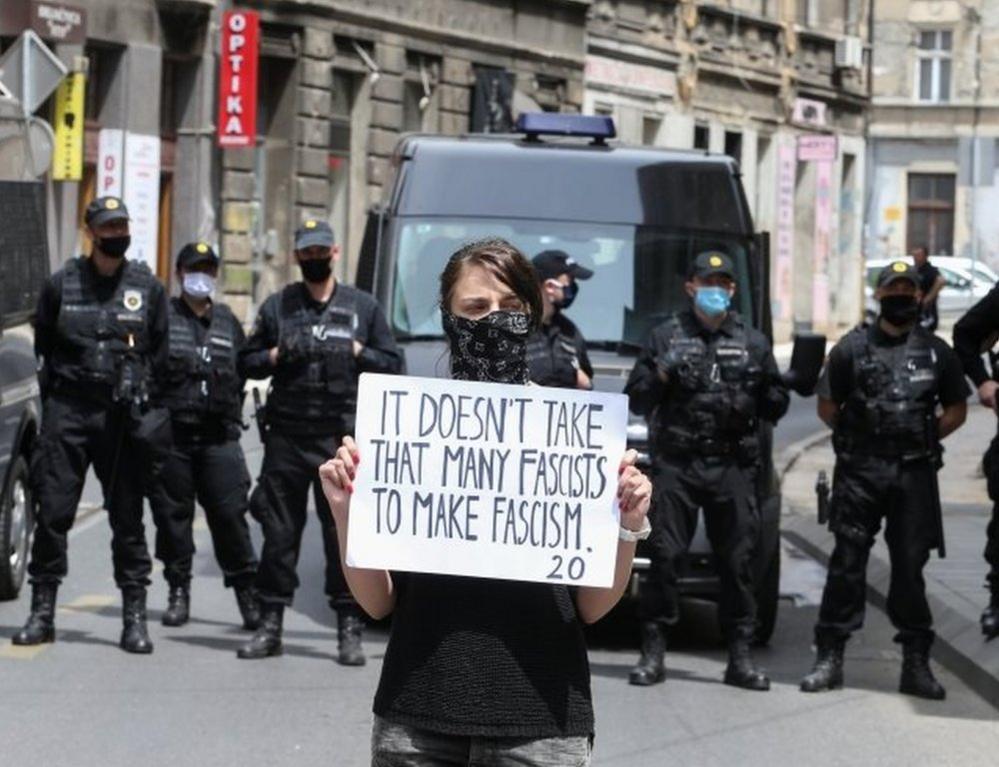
x=790, y=454
x=960, y=646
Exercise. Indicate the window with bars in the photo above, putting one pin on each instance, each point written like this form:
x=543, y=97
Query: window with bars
x=933, y=65
x=931, y=213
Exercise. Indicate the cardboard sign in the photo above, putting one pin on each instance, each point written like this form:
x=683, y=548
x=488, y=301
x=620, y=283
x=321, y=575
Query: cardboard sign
x=237, y=122
x=487, y=480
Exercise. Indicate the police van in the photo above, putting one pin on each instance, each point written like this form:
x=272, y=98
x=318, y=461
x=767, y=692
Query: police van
x=24, y=266
x=635, y=216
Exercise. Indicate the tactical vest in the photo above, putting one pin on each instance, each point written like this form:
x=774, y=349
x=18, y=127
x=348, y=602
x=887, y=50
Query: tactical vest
x=890, y=410
x=552, y=364
x=202, y=379
x=713, y=392
x=97, y=336
x=321, y=381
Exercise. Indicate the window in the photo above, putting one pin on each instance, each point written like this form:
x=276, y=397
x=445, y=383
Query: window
x=805, y=12
x=931, y=213
x=420, y=100
x=733, y=145
x=933, y=65
x=650, y=129
x=701, y=136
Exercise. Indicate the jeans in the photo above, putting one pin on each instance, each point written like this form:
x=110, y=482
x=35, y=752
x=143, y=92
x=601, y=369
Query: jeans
x=396, y=745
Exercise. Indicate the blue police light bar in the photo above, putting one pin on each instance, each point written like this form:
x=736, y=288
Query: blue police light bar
x=534, y=124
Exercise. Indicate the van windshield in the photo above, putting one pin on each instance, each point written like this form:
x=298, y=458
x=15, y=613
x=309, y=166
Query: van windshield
x=638, y=281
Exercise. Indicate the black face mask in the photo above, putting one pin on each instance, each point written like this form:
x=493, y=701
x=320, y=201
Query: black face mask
x=900, y=310
x=569, y=293
x=493, y=348
x=316, y=269
x=114, y=247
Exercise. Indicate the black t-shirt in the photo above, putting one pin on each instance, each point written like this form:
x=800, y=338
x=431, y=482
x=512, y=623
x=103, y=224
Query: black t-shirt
x=928, y=275
x=480, y=657
x=836, y=381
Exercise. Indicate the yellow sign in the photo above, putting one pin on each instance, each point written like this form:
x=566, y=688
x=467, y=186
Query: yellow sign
x=67, y=157
x=893, y=213
x=898, y=266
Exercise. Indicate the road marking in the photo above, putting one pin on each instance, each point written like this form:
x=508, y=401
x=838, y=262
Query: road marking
x=21, y=652
x=89, y=602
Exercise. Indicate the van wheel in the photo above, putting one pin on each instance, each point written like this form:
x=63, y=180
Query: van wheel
x=767, y=597
x=17, y=521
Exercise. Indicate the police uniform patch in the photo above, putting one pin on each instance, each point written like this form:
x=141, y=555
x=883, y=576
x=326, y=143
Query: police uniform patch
x=112, y=204
x=132, y=300
x=898, y=266
x=715, y=261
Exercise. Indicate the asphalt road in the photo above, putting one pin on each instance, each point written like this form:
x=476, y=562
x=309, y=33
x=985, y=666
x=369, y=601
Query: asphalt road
x=83, y=701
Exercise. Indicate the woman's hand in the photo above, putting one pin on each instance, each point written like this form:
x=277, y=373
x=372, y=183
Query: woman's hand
x=337, y=476
x=634, y=493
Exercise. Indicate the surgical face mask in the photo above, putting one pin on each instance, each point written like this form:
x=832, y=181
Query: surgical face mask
x=900, y=310
x=493, y=348
x=569, y=293
x=712, y=300
x=316, y=269
x=198, y=284
x=115, y=247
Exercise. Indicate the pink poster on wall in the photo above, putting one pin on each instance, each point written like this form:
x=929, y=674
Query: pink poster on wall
x=823, y=233
x=783, y=264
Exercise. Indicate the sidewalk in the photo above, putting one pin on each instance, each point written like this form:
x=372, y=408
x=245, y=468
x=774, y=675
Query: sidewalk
x=955, y=585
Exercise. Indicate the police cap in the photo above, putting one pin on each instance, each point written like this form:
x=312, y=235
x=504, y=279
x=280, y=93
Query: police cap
x=712, y=262
x=105, y=209
x=898, y=270
x=314, y=232
x=196, y=253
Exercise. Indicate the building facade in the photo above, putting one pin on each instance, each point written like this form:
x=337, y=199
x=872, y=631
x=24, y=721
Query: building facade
x=933, y=131
x=781, y=85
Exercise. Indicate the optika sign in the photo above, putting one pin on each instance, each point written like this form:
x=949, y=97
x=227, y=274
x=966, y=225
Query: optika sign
x=237, y=122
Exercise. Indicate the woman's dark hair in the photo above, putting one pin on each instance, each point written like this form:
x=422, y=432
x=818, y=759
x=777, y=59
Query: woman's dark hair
x=506, y=263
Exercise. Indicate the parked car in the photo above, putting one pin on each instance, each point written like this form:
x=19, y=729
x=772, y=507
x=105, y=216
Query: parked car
x=636, y=216
x=23, y=270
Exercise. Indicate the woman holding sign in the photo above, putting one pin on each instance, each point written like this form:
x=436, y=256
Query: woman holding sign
x=485, y=670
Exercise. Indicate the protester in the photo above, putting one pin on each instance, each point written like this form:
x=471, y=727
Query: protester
x=479, y=670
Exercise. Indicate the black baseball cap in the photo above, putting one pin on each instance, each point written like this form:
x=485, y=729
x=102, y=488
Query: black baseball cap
x=553, y=263
x=105, y=209
x=712, y=262
x=898, y=270
x=314, y=232
x=196, y=253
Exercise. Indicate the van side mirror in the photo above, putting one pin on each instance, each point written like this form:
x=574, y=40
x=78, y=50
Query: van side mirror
x=806, y=363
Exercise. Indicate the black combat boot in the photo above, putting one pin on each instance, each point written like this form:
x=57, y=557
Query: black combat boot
x=742, y=671
x=650, y=668
x=134, y=634
x=827, y=674
x=266, y=641
x=40, y=626
x=249, y=607
x=178, y=610
x=990, y=618
x=349, y=630
x=917, y=677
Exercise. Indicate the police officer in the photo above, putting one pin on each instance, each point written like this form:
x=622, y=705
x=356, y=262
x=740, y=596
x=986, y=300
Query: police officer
x=556, y=352
x=879, y=392
x=203, y=391
x=706, y=380
x=100, y=335
x=312, y=339
x=975, y=332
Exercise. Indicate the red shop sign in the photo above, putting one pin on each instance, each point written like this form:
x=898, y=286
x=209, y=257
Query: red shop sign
x=237, y=123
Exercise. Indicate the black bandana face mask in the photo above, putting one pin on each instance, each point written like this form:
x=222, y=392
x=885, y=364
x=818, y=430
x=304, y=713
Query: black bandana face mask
x=493, y=348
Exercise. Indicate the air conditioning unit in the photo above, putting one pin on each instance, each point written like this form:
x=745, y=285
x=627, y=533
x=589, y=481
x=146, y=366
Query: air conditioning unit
x=849, y=53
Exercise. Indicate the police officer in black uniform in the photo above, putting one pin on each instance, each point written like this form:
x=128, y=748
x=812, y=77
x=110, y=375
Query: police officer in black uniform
x=975, y=333
x=100, y=337
x=879, y=392
x=705, y=381
x=556, y=352
x=203, y=391
x=313, y=339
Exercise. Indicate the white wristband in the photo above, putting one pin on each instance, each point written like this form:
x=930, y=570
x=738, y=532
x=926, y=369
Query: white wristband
x=632, y=536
